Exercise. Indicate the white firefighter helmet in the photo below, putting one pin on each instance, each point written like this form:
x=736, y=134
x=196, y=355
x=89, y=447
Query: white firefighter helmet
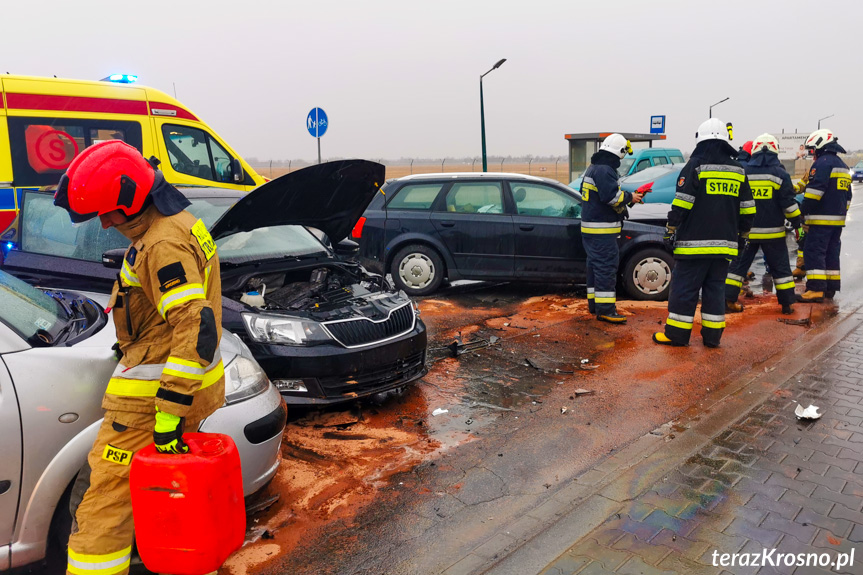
x=617, y=145
x=819, y=138
x=765, y=142
x=713, y=129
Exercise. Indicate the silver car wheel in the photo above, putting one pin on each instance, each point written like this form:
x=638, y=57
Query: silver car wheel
x=416, y=270
x=651, y=275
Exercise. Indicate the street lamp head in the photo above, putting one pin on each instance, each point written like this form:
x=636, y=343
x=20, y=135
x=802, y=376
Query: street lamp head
x=499, y=63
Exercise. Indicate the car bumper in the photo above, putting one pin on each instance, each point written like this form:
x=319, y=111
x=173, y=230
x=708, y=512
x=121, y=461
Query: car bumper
x=258, y=441
x=334, y=374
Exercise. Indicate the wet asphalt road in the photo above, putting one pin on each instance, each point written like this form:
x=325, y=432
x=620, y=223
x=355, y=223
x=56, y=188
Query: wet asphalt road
x=505, y=445
x=515, y=430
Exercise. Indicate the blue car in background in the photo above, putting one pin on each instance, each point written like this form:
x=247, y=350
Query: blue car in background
x=645, y=160
x=857, y=172
x=664, y=180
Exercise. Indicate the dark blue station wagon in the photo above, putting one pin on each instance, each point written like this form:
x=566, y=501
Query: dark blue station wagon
x=427, y=228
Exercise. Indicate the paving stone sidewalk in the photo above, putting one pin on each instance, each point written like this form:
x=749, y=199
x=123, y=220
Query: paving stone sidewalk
x=767, y=481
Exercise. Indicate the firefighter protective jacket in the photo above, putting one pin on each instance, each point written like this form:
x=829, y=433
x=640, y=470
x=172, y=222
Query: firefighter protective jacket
x=603, y=202
x=712, y=205
x=168, y=314
x=828, y=194
x=774, y=197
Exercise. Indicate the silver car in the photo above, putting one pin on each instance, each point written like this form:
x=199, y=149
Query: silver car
x=55, y=362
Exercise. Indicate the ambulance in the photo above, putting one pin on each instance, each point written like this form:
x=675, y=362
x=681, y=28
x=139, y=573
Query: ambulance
x=46, y=122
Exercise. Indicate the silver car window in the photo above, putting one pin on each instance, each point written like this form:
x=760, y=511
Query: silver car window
x=26, y=309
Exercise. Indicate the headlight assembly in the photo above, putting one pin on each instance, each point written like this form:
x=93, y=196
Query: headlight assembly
x=284, y=330
x=244, y=378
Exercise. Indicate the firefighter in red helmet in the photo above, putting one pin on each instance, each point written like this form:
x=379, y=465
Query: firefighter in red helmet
x=167, y=311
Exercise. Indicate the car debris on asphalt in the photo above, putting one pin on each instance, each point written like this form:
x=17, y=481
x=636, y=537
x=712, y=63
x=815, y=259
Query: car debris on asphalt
x=810, y=412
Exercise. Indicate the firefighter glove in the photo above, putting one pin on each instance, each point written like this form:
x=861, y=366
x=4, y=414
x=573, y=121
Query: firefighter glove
x=168, y=433
x=668, y=238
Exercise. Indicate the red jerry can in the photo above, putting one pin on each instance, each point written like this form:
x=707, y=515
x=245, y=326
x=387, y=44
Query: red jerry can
x=188, y=509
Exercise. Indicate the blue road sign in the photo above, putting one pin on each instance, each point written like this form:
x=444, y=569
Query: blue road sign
x=657, y=124
x=316, y=122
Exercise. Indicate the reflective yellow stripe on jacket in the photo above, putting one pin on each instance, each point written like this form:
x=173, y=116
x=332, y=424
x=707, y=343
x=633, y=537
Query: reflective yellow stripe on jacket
x=177, y=296
x=130, y=277
x=144, y=380
x=600, y=227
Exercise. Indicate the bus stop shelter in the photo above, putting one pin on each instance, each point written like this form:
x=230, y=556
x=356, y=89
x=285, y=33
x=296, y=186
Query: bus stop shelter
x=583, y=146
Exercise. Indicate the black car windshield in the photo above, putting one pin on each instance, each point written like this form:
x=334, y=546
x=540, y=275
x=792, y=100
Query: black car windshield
x=259, y=244
x=27, y=310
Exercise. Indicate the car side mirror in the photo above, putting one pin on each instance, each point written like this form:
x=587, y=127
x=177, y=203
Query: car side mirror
x=347, y=247
x=237, y=171
x=113, y=259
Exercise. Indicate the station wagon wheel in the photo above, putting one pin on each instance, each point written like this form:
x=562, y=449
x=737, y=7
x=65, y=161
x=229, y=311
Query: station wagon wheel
x=417, y=269
x=647, y=274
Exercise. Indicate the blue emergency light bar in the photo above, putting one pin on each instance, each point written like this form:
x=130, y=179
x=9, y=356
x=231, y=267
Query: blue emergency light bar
x=121, y=78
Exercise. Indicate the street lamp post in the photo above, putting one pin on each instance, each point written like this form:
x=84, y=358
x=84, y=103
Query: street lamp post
x=710, y=115
x=824, y=118
x=482, y=112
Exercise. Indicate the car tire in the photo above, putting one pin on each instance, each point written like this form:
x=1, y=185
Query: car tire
x=417, y=269
x=647, y=274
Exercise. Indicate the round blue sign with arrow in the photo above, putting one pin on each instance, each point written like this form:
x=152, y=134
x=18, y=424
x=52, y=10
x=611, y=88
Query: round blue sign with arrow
x=316, y=122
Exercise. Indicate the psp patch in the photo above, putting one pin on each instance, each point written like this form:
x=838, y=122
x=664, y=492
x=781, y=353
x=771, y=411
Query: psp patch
x=812, y=173
x=171, y=276
x=681, y=181
x=117, y=455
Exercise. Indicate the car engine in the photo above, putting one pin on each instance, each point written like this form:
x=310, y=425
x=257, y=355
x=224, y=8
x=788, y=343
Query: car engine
x=322, y=293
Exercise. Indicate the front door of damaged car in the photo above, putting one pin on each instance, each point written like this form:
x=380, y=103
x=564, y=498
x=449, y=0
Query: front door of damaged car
x=10, y=455
x=472, y=223
x=547, y=233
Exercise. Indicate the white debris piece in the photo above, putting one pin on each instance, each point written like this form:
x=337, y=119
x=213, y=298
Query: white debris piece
x=810, y=412
x=439, y=411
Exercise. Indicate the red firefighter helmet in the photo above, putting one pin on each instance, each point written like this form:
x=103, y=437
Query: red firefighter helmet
x=747, y=147
x=105, y=177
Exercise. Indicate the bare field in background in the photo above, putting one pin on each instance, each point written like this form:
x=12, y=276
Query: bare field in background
x=542, y=170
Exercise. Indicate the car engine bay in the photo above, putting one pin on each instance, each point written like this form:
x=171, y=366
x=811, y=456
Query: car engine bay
x=322, y=293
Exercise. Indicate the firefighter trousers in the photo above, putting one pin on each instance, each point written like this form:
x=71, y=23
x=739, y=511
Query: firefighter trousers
x=603, y=256
x=691, y=276
x=821, y=254
x=102, y=527
x=776, y=254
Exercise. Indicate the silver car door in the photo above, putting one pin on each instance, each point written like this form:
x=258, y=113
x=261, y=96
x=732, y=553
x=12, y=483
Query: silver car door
x=10, y=456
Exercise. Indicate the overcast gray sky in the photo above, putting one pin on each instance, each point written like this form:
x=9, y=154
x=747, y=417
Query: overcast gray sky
x=401, y=79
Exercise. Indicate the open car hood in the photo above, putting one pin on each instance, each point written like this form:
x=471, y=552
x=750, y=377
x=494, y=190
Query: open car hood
x=330, y=197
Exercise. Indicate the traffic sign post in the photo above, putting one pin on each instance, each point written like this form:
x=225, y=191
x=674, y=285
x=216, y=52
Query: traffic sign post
x=657, y=124
x=316, y=124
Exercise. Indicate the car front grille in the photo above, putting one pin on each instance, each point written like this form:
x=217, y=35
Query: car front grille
x=380, y=377
x=362, y=331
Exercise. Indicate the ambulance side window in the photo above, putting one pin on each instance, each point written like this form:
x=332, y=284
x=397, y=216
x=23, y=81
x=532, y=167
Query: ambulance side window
x=194, y=152
x=42, y=148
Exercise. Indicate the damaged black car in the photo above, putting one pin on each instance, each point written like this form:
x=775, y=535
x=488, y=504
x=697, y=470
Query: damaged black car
x=324, y=329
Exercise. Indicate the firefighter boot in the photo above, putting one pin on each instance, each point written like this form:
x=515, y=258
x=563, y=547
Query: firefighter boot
x=612, y=318
x=733, y=306
x=811, y=297
x=660, y=338
x=786, y=309
x=829, y=294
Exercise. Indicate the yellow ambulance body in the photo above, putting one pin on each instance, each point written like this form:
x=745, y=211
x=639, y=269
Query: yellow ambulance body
x=46, y=122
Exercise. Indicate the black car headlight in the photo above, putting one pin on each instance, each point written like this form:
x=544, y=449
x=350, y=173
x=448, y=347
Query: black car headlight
x=284, y=330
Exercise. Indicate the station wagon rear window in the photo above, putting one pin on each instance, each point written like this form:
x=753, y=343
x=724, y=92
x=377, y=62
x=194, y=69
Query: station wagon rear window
x=415, y=197
x=42, y=148
x=475, y=198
